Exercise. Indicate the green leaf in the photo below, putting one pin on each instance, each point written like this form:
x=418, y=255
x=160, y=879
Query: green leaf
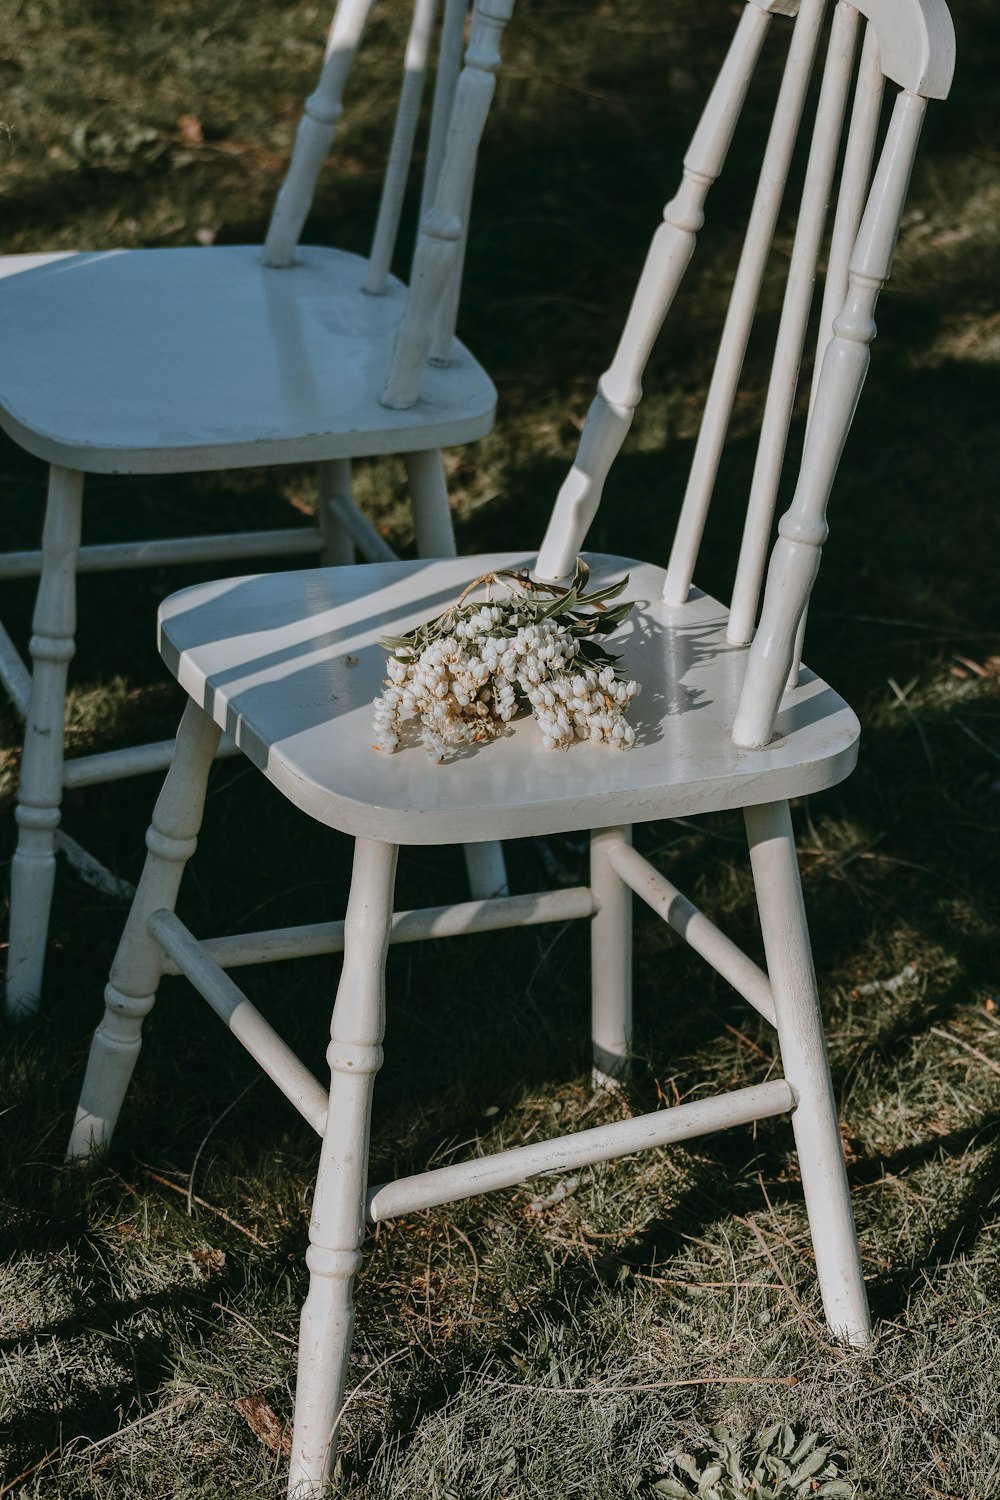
x=807, y=1444
x=561, y=603
x=610, y=619
x=686, y=1464
x=812, y=1466
x=610, y=591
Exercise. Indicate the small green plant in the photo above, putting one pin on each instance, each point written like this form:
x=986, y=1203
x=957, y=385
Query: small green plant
x=776, y=1464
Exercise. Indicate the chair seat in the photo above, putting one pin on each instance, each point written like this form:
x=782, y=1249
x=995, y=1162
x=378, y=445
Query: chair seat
x=168, y=361
x=289, y=664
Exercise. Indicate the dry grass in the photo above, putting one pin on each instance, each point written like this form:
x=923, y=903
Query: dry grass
x=514, y=1347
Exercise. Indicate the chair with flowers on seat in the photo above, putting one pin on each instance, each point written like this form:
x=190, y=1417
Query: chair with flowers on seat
x=289, y=665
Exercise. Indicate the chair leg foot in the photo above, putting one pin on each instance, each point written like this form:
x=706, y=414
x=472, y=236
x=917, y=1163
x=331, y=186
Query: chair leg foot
x=135, y=974
x=804, y=1059
x=32, y=879
x=337, y=1226
x=610, y=964
x=39, y=794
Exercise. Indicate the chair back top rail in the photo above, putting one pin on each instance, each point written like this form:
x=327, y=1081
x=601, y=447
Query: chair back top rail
x=910, y=42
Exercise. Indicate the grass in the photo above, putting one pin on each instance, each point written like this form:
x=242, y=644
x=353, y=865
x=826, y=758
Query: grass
x=527, y=1344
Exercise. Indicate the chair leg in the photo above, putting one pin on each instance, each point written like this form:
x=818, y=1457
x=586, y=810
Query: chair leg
x=610, y=963
x=436, y=538
x=429, y=498
x=337, y=1226
x=135, y=973
x=803, y=1055
x=39, y=793
x=333, y=477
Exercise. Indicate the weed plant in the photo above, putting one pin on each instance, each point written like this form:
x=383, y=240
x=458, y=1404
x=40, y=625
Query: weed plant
x=571, y=1337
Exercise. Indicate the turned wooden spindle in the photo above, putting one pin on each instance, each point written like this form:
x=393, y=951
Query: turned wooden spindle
x=315, y=134
x=397, y=170
x=620, y=387
x=449, y=66
x=743, y=300
x=855, y=179
x=802, y=531
x=39, y=794
x=337, y=1226
x=792, y=327
x=438, y=250
x=135, y=974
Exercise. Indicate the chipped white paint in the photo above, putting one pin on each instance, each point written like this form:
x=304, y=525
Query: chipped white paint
x=610, y=960
x=693, y=926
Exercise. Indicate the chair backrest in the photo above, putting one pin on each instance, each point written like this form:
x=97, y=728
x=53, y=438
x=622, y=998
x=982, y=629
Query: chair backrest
x=462, y=96
x=908, y=42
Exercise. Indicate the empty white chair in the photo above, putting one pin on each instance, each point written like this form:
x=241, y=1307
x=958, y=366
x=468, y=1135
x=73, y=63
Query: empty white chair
x=289, y=664
x=168, y=361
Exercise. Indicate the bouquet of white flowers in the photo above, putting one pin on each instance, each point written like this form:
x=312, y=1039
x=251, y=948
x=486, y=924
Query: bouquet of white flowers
x=467, y=673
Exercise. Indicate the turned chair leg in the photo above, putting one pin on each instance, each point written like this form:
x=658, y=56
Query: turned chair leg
x=333, y=479
x=135, y=973
x=39, y=795
x=429, y=498
x=337, y=1227
x=803, y=1056
x=610, y=963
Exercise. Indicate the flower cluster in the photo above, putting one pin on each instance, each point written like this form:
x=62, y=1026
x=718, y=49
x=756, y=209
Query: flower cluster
x=465, y=675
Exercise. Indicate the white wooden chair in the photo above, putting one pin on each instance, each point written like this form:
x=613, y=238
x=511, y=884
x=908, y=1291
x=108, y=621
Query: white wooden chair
x=168, y=361
x=289, y=664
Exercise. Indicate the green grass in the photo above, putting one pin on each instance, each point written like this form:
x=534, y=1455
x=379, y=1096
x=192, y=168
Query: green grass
x=508, y=1347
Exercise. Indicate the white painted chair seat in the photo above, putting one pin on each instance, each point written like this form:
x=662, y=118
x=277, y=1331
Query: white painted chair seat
x=169, y=361
x=288, y=664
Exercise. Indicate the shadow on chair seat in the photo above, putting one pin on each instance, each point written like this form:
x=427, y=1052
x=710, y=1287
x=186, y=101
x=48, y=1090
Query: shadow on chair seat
x=289, y=665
